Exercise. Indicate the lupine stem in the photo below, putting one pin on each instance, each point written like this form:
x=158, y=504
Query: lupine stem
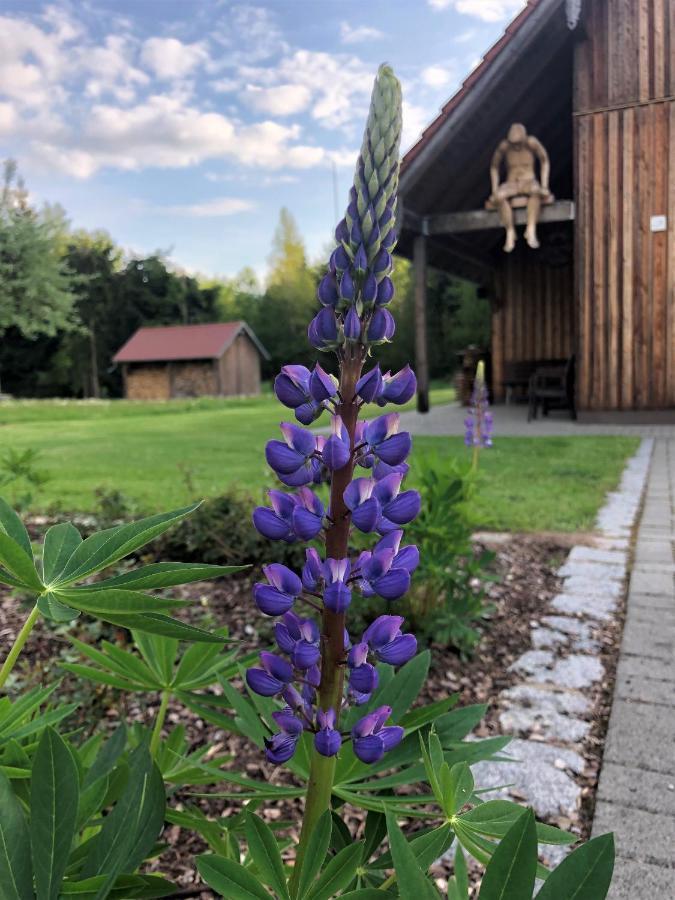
x=17, y=646
x=322, y=769
x=159, y=723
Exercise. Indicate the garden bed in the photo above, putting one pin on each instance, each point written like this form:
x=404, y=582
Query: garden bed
x=525, y=567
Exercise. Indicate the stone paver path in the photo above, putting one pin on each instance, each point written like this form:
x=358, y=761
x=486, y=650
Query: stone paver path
x=512, y=422
x=636, y=793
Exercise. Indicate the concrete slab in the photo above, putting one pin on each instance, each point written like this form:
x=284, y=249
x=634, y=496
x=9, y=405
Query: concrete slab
x=641, y=736
x=648, y=639
x=638, y=788
x=644, y=581
x=643, y=836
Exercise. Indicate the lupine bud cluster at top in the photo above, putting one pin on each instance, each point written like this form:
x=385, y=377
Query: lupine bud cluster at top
x=318, y=667
x=478, y=423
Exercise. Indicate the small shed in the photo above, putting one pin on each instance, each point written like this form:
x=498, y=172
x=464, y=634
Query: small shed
x=594, y=81
x=220, y=359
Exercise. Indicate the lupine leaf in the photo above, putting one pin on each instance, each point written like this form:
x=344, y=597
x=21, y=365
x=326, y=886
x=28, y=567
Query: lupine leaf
x=156, y=623
x=458, y=788
x=107, y=547
x=456, y=724
x=338, y=873
x=424, y=715
x=117, y=601
x=366, y=894
x=404, y=686
x=317, y=848
x=14, y=558
x=511, y=872
x=52, y=608
x=412, y=881
x=374, y=834
x=426, y=847
x=54, y=798
x=160, y=654
x=262, y=845
x=12, y=525
x=230, y=879
x=61, y=541
x=16, y=877
x=166, y=574
x=494, y=818
x=127, y=887
x=99, y=677
x=461, y=876
x=585, y=874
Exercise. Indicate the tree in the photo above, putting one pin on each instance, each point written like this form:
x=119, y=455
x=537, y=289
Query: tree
x=36, y=289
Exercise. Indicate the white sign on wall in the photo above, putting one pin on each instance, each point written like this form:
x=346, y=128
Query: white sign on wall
x=658, y=223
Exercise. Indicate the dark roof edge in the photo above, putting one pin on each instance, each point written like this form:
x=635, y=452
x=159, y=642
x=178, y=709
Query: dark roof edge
x=247, y=330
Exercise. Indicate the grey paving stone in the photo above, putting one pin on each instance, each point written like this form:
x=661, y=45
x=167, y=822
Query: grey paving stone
x=648, y=551
x=534, y=662
x=647, y=614
x=577, y=671
x=567, y=702
x=641, y=736
x=653, y=601
x=568, y=625
x=539, y=775
x=647, y=639
x=639, y=881
x=643, y=836
x=548, y=638
x=597, y=555
x=646, y=680
x=543, y=723
x=592, y=570
x=591, y=587
x=643, y=581
x=650, y=791
x=601, y=608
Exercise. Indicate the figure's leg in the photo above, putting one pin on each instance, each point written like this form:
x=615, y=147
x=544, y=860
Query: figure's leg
x=533, y=207
x=506, y=216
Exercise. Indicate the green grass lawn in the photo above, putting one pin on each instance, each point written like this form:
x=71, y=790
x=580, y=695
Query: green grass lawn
x=164, y=454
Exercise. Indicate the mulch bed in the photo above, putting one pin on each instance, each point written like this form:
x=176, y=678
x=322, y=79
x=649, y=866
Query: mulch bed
x=525, y=567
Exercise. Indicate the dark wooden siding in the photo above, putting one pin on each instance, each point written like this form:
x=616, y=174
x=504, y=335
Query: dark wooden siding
x=624, y=125
x=533, y=313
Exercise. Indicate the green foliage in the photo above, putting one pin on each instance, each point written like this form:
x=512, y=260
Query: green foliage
x=20, y=472
x=448, y=597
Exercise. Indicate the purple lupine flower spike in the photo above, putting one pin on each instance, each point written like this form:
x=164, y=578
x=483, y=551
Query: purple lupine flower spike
x=369, y=386
x=327, y=740
x=337, y=452
x=337, y=594
x=398, y=388
x=371, y=738
x=277, y=597
x=478, y=424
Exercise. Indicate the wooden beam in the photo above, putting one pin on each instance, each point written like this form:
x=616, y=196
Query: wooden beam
x=487, y=219
x=421, y=350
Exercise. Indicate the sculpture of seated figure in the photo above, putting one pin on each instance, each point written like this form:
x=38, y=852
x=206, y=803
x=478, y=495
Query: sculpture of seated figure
x=521, y=187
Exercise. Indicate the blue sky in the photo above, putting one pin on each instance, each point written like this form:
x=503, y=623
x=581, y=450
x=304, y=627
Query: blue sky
x=185, y=126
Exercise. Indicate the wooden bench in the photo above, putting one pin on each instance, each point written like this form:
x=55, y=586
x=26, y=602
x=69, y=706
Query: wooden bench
x=552, y=387
x=517, y=375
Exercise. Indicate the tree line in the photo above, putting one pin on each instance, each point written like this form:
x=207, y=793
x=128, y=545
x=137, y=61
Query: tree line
x=70, y=299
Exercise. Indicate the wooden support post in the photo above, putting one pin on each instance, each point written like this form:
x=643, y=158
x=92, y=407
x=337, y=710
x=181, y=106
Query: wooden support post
x=421, y=352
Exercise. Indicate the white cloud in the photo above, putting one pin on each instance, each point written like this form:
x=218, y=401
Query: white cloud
x=415, y=119
x=216, y=208
x=170, y=58
x=358, y=34
x=436, y=76
x=282, y=100
x=487, y=10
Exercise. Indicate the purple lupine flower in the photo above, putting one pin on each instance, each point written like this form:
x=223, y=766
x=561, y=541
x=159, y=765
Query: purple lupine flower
x=299, y=638
x=389, y=645
x=385, y=441
x=312, y=571
x=378, y=574
x=478, y=423
x=328, y=291
x=292, y=386
x=276, y=523
x=337, y=594
x=382, y=326
x=352, y=325
x=275, y=674
x=294, y=453
x=322, y=386
x=369, y=386
x=322, y=331
x=371, y=738
x=363, y=677
x=398, y=388
x=385, y=291
x=365, y=509
x=307, y=515
x=397, y=508
x=327, y=740
x=336, y=452
x=281, y=746
x=277, y=597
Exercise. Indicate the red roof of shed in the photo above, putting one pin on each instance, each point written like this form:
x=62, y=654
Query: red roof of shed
x=173, y=342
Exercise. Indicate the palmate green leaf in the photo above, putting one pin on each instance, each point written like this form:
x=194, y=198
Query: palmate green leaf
x=367, y=894
x=12, y=525
x=130, y=830
x=374, y=833
x=494, y=818
x=14, y=558
x=585, y=874
x=458, y=888
x=427, y=714
x=482, y=848
x=52, y=608
x=99, y=677
x=167, y=574
x=16, y=876
x=117, y=601
x=511, y=872
x=404, y=687
x=107, y=547
x=455, y=725
x=54, y=798
x=160, y=652
x=156, y=623
x=61, y=541
x=119, y=661
x=230, y=879
x=262, y=846
x=413, y=882
x=427, y=847
x=126, y=887
x=337, y=874
x=317, y=848
x=13, y=712
x=457, y=785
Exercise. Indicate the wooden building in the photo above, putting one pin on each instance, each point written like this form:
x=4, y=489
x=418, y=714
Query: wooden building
x=594, y=80
x=222, y=359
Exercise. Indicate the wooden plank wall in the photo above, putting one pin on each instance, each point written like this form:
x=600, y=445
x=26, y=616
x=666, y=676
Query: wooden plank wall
x=533, y=313
x=624, y=125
